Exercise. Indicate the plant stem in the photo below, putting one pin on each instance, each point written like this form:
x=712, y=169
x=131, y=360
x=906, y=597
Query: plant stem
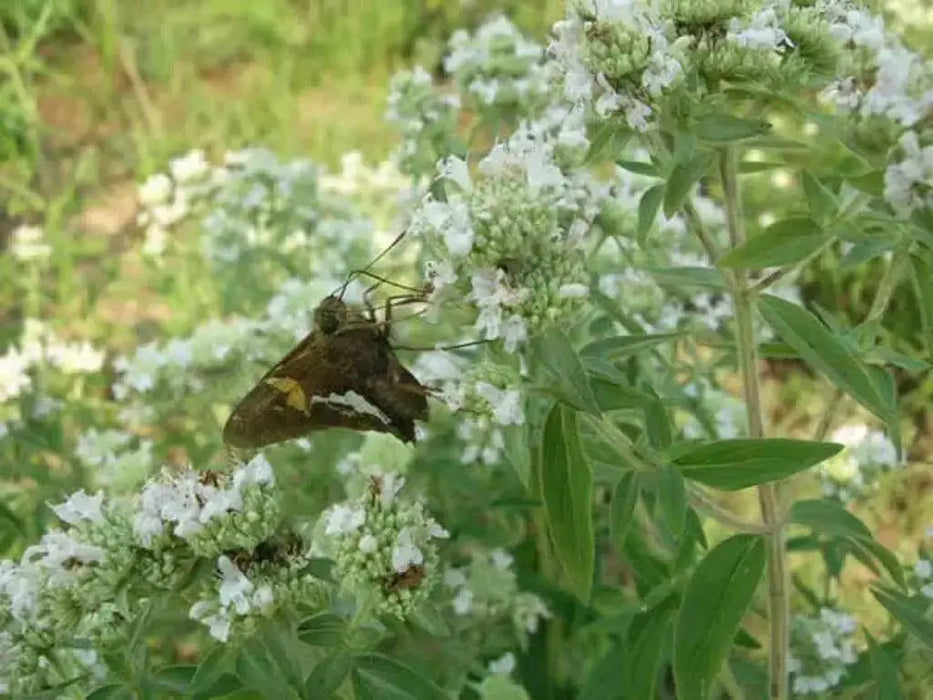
x=887, y=285
x=768, y=494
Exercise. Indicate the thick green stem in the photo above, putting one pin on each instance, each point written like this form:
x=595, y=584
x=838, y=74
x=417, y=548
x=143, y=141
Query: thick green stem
x=768, y=494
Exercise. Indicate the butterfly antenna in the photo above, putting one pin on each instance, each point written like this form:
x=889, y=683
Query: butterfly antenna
x=467, y=344
x=372, y=262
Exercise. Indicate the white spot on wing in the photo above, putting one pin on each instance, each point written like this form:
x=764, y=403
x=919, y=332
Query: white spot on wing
x=354, y=402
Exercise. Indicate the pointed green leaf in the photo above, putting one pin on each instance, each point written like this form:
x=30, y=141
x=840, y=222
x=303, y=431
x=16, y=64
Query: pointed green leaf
x=782, y=243
x=564, y=371
x=825, y=352
x=646, y=641
x=725, y=127
x=922, y=275
x=567, y=488
x=737, y=464
x=622, y=509
x=910, y=613
x=827, y=517
x=683, y=177
x=672, y=499
x=887, y=682
x=378, y=676
x=328, y=675
x=648, y=207
x=714, y=603
x=638, y=167
x=625, y=345
x=679, y=277
x=822, y=201
x=322, y=630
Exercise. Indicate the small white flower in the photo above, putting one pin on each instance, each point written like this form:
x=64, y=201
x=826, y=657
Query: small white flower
x=454, y=168
x=14, y=377
x=155, y=190
x=234, y=586
x=28, y=243
x=80, y=506
x=368, y=544
x=405, y=553
x=501, y=559
x=463, y=602
x=573, y=291
x=192, y=166
x=263, y=598
x=924, y=569
x=514, y=332
x=344, y=520
x=505, y=404
x=503, y=666
x=391, y=484
x=257, y=471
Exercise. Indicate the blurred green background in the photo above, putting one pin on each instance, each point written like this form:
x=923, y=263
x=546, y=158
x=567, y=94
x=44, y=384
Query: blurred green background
x=95, y=95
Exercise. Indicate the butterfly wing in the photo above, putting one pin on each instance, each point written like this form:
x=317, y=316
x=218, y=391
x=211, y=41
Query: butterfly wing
x=326, y=381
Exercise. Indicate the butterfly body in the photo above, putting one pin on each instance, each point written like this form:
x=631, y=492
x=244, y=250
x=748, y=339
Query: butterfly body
x=344, y=374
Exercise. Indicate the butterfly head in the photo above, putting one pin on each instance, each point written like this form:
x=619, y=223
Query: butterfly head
x=330, y=314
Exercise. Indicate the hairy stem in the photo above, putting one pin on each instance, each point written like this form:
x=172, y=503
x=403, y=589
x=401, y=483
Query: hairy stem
x=768, y=494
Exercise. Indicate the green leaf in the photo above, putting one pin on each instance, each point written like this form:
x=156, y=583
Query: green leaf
x=214, y=664
x=682, y=179
x=280, y=644
x=646, y=640
x=622, y=509
x=429, y=618
x=625, y=345
x=648, y=207
x=567, y=377
x=782, y=243
x=737, y=464
x=868, y=547
x=112, y=691
x=714, y=603
x=887, y=682
x=174, y=678
x=820, y=198
x=679, y=277
x=258, y=671
x=672, y=499
x=908, y=612
x=827, y=517
x=328, y=675
x=826, y=353
x=499, y=687
x=922, y=275
x=322, y=630
x=607, y=679
x=567, y=488
x=725, y=127
x=637, y=166
x=378, y=676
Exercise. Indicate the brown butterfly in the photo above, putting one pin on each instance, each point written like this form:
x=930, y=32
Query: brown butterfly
x=344, y=374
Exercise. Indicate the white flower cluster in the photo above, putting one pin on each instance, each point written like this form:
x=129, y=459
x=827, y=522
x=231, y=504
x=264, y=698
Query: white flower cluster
x=356, y=178
x=237, y=598
x=854, y=471
x=425, y=118
x=383, y=546
x=822, y=648
x=498, y=67
x=487, y=392
x=51, y=596
x=27, y=244
x=727, y=413
x=114, y=463
x=512, y=242
x=620, y=55
x=37, y=345
x=253, y=202
x=901, y=88
x=762, y=31
x=212, y=512
x=907, y=185
x=487, y=588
